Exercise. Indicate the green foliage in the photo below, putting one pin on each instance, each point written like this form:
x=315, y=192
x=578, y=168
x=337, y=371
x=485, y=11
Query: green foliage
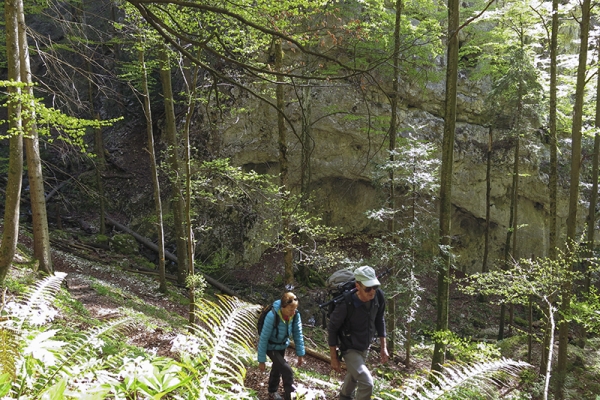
x=585, y=311
x=124, y=243
x=540, y=277
x=44, y=362
x=213, y=354
x=50, y=122
x=479, y=380
x=409, y=250
x=196, y=281
x=9, y=351
x=219, y=260
x=466, y=351
x=233, y=207
x=36, y=362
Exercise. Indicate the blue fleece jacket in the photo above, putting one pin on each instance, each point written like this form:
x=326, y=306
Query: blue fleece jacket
x=279, y=339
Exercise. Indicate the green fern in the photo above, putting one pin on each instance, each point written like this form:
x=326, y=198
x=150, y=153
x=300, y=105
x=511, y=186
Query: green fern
x=46, y=365
x=32, y=307
x=459, y=376
x=76, y=352
x=226, y=332
x=9, y=350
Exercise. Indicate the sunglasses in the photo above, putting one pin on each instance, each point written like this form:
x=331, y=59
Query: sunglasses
x=369, y=288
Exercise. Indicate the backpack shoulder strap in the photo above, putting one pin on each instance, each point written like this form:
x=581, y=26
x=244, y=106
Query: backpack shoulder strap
x=349, y=306
x=275, y=321
x=379, y=297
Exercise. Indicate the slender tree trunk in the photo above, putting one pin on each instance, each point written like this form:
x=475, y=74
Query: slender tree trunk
x=192, y=84
x=552, y=241
x=177, y=199
x=288, y=260
x=515, y=199
x=488, y=191
x=304, y=97
x=160, y=233
x=515, y=225
x=553, y=181
x=10, y=234
x=563, y=335
x=443, y=290
x=591, y=219
x=510, y=232
x=100, y=159
x=307, y=142
x=41, y=235
x=392, y=317
x=529, y=329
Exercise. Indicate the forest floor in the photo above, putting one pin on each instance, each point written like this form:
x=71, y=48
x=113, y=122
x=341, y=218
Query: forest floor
x=103, y=282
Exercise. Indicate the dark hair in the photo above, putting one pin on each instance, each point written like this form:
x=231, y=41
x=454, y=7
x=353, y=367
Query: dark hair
x=289, y=298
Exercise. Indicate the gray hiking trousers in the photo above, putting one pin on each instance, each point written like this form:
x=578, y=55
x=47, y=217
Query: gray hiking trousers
x=358, y=377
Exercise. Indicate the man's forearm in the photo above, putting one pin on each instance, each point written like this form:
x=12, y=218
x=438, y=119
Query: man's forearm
x=333, y=352
x=383, y=342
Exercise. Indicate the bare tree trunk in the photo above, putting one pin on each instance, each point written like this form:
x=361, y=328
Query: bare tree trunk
x=591, y=219
x=566, y=289
x=515, y=201
x=552, y=242
x=160, y=233
x=488, y=191
x=177, y=200
x=553, y=180
x=307, y=142
x=288, y=260
x=10, y=234
x=511, y=231
x=443, y=291
x=41, y=235
x=393, y=318
x=192, y=84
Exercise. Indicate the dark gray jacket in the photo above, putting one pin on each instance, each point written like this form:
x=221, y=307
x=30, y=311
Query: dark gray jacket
x=364, y=321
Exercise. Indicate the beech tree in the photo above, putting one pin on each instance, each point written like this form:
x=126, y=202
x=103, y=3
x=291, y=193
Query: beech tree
x=576, y=134
x=155, y=179
x=443, y=292
x=26, y=115
x=253, y=33
x=41, y=235
x=591, y=218
x=139, y=72
x=10, y=233
x=175, y=169
x=553, y=234
x=22, y=116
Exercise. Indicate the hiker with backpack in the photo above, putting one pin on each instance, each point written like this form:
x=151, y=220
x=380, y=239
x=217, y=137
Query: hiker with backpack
x=352, y=326
x=280, y=323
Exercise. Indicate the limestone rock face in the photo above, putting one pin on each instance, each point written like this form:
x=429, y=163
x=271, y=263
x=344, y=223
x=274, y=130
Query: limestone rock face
x=348, y=142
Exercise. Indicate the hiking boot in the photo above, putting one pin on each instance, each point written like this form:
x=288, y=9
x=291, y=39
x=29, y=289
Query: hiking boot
x=275, y=396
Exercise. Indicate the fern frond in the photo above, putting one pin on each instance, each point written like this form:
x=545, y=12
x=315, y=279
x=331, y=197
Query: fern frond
x=33, y=308
x=227, y=331
x=9, y=350
x=76, y=352
x=36, y=301
x=453, y=377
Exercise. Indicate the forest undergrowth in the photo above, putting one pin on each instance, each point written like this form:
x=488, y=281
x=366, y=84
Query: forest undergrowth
x=96, y=292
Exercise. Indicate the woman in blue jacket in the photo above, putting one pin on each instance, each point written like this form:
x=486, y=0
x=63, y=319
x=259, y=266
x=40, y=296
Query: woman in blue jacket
x=281, y=323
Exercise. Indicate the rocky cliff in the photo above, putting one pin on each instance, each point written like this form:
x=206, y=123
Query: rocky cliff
x=347, y=149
